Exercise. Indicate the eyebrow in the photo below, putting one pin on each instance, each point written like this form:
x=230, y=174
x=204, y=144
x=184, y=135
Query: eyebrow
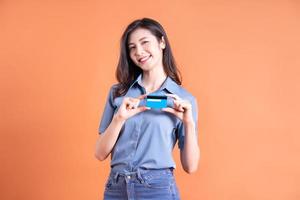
x=139, y=40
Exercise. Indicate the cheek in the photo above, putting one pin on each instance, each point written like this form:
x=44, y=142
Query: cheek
x=156, y=52
x=131, y=56
x=154, y=48
x=149, y=48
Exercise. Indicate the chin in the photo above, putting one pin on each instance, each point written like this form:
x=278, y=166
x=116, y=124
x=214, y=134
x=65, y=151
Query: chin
x=146, y=68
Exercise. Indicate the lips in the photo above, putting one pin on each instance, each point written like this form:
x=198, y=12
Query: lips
x=144, y=59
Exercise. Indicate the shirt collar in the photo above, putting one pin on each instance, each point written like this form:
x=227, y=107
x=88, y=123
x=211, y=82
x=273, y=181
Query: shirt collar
x=169, y=84
x=138, y=80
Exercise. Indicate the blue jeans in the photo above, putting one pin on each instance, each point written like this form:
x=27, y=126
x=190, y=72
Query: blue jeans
x=141, y=185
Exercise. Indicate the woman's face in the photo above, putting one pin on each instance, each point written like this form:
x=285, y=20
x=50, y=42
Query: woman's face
x=145, y=50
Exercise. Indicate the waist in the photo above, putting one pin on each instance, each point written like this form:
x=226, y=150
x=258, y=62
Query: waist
x=141, y=172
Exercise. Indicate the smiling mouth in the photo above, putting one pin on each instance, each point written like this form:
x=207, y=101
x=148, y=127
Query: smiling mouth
x=144, y=59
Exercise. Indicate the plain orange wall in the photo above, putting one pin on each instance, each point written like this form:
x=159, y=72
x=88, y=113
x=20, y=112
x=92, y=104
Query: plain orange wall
x=239, y=58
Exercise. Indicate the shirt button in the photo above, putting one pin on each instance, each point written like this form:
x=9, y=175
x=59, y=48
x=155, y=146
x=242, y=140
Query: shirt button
x=128, y=177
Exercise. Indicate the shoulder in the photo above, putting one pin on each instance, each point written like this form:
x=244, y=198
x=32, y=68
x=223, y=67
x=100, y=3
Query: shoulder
x=173, y=87
x=114, y=99
x=185, y=94
x=111, y=92
x=113, y=88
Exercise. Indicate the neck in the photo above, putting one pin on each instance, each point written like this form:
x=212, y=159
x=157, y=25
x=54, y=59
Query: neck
x=152, y=80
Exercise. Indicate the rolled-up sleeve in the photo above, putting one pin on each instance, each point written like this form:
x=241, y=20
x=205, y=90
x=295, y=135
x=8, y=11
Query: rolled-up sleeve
x=108, y=112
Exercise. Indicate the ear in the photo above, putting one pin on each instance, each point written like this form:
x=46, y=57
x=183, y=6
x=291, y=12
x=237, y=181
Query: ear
x=162, y=42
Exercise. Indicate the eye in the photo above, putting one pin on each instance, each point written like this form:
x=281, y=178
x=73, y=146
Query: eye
x=131, y=47
x=144, y=42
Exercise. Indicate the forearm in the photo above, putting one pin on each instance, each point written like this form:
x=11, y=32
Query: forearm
x=190, y=153
x=107, y=140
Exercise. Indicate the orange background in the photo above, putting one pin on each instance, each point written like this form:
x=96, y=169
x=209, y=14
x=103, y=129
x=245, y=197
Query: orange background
x=239, y=58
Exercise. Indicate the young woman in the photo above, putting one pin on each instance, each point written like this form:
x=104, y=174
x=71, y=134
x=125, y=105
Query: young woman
x=140, y=139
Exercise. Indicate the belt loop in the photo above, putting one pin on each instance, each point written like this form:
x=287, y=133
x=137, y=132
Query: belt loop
x=139, y=176
x=116, y=177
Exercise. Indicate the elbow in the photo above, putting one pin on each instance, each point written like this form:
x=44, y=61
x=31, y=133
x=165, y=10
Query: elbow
x=100, y=157
x=191, y=167
x=100, y=153
x=190, y=170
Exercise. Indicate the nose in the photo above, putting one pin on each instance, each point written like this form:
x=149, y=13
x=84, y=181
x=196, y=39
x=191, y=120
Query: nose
x=139, y=50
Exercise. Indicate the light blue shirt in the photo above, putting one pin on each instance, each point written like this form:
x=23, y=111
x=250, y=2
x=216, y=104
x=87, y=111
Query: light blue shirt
x=147, y=139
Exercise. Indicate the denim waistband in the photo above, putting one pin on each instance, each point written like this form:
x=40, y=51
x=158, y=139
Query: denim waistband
x=140, y=173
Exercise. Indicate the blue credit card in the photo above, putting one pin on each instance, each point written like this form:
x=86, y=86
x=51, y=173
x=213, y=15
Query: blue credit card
x=156, y=101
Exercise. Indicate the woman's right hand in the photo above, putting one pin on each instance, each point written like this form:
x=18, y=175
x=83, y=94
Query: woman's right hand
x=130, y=107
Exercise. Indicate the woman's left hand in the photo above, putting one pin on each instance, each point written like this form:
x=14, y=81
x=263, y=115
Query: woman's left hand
x=182, y=109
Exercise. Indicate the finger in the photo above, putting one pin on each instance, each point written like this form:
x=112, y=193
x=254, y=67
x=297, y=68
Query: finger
x=170, y=110
x=131, y=105
x=125, y=100
x=174, y=96
x=133, y=102
x=185, y=105
x=128, y=106
x=131, y=99
x=143, y=96
x=141, y=109
x=136, y=103
x=128, y=100
x=178, y=105
x=180, y=108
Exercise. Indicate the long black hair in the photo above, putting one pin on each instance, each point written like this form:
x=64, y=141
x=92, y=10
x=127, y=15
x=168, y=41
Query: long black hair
x=127, y=71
